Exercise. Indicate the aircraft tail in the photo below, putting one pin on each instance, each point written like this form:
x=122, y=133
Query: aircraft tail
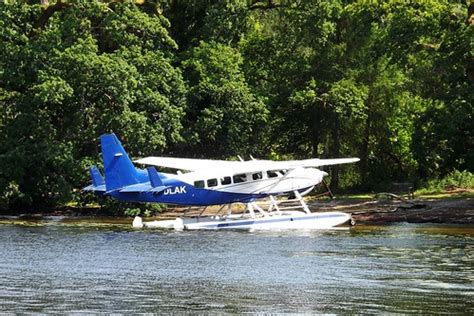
x=98, y=182
x=96, y=176
x=119, y=169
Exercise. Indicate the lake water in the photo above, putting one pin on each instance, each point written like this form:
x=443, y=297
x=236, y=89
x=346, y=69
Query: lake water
x=80, y=266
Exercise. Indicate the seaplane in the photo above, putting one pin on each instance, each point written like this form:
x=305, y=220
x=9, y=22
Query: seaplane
x=205, y=182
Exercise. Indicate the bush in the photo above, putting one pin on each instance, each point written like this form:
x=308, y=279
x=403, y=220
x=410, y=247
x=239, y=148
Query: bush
x=454, y=180
x=146, y=209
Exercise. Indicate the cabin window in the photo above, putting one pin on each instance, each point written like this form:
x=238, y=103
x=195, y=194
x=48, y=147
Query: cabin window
x=257, y=176
x=211, y=183
x=225, y=181
x=238, y=178
x=199, y=184
x=272, y=174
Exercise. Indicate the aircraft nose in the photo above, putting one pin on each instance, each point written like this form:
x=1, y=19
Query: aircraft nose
x=318, y=174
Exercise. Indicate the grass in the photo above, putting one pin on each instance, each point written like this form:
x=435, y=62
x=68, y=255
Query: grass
x=454, y=181
x=358, y=196
x=455, y=185
x=456, y=194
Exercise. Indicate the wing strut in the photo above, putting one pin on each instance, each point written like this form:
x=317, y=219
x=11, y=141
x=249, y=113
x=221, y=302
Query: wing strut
x=331, y=195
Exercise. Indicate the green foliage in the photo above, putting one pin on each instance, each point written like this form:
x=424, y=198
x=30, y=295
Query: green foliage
x=454, y=180
x=388, y=81
x=146, y=209
x=91, y=68
x=132, y=212
x=224, y=115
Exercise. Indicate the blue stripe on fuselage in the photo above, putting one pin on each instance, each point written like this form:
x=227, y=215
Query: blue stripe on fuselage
x=182, y=193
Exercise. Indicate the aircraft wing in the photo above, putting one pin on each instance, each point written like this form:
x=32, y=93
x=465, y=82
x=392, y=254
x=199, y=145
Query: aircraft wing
x=258, y=165
x=224, y=166
x=187, y=163
x=322, y=162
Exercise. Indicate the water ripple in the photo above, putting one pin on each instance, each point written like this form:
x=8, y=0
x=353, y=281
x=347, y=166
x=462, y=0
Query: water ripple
x=74, y=267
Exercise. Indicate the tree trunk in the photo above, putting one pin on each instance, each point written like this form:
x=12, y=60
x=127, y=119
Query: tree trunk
x=314, y=145
x=470, y=59
x=364, y=150
x=470, y=14
x=335, y=153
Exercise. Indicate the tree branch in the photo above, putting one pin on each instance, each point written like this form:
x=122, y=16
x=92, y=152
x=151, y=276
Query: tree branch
x=48, y=12
x=268, y=5
x=470, y=14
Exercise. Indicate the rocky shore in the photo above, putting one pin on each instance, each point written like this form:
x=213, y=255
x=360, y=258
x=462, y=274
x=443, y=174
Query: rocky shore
x=384, y=210
x=452, y=211
x=369, y=211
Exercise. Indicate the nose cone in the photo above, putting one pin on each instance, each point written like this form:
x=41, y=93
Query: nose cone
x=316, y=174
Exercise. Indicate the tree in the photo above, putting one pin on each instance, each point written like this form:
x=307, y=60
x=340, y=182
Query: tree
x=223, y=115
x=90, y=68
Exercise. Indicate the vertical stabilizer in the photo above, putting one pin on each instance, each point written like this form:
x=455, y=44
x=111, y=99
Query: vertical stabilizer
x=96, y=176
x=155, y=179
x=119, y=169
x=98, y=183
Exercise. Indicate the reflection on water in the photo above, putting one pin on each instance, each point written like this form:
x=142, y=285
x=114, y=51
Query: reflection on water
x=64, y=265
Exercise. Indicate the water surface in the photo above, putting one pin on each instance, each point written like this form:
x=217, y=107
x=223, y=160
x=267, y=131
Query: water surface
x=61, y=265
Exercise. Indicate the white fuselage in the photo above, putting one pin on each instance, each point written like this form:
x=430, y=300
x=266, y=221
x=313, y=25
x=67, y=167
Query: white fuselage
x=271, y=182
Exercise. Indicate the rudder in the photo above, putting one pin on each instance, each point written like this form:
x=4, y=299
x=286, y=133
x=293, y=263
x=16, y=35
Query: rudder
x=119, y=169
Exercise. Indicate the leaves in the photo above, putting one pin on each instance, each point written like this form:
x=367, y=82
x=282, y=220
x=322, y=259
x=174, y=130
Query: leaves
x=78, y=78
x=224, y=115
x=388, y=81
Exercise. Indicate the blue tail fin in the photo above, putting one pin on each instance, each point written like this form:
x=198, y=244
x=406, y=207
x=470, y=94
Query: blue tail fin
x=119, y=169
x=96, y=176
x=155, y=179
x=98, y=184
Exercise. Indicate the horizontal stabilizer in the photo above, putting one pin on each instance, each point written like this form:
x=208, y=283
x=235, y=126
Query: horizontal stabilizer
x=136, y=188
x=142, y=187
x=159, y=189
x=93, y=188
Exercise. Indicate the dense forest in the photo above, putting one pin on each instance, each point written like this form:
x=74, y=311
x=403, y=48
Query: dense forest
x=391, y=82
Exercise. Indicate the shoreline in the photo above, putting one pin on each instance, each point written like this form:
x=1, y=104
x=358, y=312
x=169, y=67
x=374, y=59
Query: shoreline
x=364, y=211
x=446, y=211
